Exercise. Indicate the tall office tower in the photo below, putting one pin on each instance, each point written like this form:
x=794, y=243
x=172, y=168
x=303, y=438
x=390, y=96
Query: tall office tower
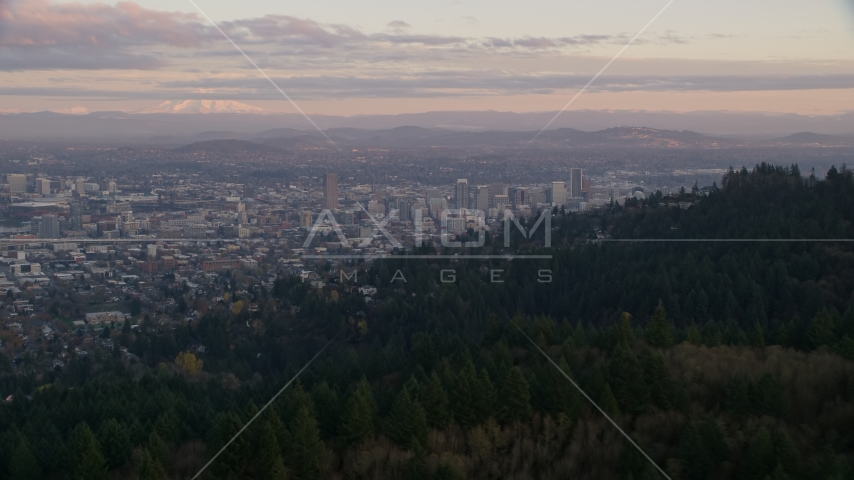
x=248, y=192
x=558, y=194
x=517, y=196
x=495, y=189
x=482, y=199
x=76, y=216
x=49, y=227
x=405, y=213
x=80, y=186
x=17, y=182
x=575, y=183
x=111, y=186
x=434, y=193
x=330, y=191
x=151, y=251
x=461, y=196
x=43, y=186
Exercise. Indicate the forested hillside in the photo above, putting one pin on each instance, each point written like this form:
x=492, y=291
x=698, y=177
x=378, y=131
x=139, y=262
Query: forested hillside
x=721, y=359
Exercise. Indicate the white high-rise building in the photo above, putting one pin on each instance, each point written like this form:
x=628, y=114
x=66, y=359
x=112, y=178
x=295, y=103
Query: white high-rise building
x=17, y=182
x=43, y=186
x=558, y=193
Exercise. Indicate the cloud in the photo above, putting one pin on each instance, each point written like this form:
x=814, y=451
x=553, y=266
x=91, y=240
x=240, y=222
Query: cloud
x=45, y=24
x=43, y=35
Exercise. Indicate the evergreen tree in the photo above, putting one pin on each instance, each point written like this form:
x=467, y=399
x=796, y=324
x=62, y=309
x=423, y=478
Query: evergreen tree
x=434, y=398
x=305, y=452
x=657, y=378
x=87, y=461
x=630, y=387
x=159, y=449
x=359, y=414
x=150, y=468
x=757, y=337
x=607, y=402
x=566, y=399
x=695, y=457
x=820, y=330
x=50, y=450
x=694, y=337
x=407, y=423
x=759, y=460
x=23, y=464
x=232, y=462
x=328, y=407
x=713, y=439
x=659, y=333
x=625, y=337
x=268, y=462
x=471, y=397
x=515, y=399
x=115, y=443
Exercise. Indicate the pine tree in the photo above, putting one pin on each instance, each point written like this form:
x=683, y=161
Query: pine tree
x=759, y=460
x=434, y=398
x=659, y=333
x=159, y=449
x=713, y=438
x=820, y=330
x=630, y=388
x=115, y=443
x=232, y=462
x=757, y=337
x=607, y=402
x=695, y=457
x=359, y=414
x=306, y=453
x=625, y=336
x=565, y=397
x=487, y=398
x=50, y=450
x=268, y=463
x=694, y=337
x=658, y=379
x=23, y=464
x=471, y=396
x=328, y=408
x=87, y=461
x=150, y=468
x=407, y=423
x=515, y=399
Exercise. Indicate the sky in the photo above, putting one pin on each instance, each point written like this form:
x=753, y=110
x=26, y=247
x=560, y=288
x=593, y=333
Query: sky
x=346, y=57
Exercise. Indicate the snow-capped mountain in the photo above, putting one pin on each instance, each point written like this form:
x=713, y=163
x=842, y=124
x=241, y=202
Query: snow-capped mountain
x=203, y=106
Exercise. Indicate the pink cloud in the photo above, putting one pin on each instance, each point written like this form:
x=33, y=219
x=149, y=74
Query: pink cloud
x=40, y=23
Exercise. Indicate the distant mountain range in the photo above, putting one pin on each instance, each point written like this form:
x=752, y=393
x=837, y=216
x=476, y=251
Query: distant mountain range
x=286, y=139
x=202, y=120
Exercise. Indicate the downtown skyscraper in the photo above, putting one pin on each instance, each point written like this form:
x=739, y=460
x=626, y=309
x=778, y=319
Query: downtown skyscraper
x=330, y=191
x=461, y=194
